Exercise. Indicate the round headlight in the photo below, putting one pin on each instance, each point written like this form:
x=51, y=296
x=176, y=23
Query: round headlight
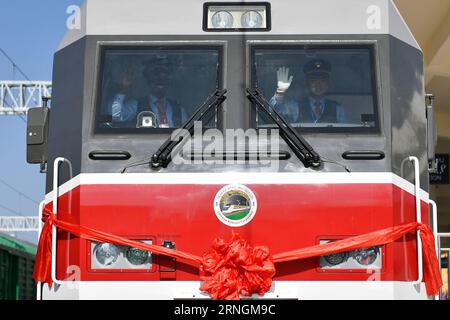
x=251, y=19
x=336, y=258
x=366, y=257
x=136, y=256
x=106, y=253
x=222, y=20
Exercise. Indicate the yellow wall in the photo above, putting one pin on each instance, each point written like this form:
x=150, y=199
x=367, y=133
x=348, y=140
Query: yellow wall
x=443, y=123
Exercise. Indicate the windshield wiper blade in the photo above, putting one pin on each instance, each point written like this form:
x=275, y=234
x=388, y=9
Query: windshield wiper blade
x=163, y=156
x=302, y=149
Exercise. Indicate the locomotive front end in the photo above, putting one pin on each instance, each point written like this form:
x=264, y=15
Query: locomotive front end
x=294, y=124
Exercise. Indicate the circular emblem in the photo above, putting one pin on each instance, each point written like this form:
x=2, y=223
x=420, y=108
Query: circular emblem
x=235, y=205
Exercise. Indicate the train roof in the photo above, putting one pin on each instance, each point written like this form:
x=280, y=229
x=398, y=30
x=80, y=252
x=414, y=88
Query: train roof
x=16, y=245
x=185, y=17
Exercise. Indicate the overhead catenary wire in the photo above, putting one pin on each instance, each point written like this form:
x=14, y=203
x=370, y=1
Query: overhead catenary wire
x=11, y=210
x=18, y=191
x=21, y=195
x=15, y=67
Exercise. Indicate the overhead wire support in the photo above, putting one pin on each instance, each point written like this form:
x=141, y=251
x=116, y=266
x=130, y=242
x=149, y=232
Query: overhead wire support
x=19, y=224
x=22, y=95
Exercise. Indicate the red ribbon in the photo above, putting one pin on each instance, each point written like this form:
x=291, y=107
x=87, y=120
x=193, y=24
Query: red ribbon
x=234, y=269
x=42, y=266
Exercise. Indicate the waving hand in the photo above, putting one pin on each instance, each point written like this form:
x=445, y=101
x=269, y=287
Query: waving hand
x=283, y=80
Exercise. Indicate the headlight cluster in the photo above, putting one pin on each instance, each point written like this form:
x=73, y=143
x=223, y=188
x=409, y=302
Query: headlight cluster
x=357, y=259
x=110, y=256
x=234, y=17
x=250, y=19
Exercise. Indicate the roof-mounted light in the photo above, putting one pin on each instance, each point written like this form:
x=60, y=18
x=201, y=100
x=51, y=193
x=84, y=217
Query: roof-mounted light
x=236, y=16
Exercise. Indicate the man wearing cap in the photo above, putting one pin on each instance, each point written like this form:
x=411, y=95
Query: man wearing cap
x=159, y=73
x=315, y=108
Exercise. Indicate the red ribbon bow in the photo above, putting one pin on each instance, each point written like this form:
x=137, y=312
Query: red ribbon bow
x=233, y=269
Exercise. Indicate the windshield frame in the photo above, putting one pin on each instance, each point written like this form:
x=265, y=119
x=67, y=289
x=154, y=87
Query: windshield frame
x=104, y=46
x=371, y=45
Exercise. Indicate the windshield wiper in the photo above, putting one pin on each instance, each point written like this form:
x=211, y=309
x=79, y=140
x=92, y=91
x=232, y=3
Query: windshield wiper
x=163, y=156
x=294, y=140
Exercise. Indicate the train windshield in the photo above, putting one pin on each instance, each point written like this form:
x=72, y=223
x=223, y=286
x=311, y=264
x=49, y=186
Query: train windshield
x=154, y=89
x=318, y=88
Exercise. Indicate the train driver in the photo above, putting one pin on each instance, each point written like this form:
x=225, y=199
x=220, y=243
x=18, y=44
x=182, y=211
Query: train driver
x=158, y=73
x=121, y=101
x=315, y=107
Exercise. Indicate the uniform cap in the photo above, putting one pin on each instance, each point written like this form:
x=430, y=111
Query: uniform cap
x=317, y=69
x=157, y=62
